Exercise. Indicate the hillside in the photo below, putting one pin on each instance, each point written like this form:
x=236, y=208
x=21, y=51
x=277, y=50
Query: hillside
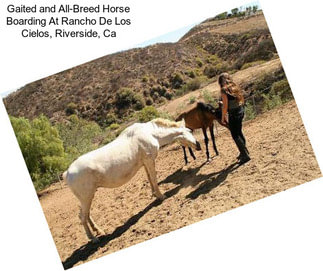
x=152, y=75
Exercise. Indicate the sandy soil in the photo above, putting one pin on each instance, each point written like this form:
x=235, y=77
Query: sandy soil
x=282, y=157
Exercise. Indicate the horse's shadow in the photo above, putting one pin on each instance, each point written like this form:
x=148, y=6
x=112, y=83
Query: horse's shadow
x=179, y=177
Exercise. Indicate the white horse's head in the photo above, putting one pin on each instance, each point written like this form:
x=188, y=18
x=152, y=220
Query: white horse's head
x=187, y=139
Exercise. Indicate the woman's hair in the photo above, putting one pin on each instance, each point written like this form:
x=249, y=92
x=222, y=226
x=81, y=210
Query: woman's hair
x=228, y=86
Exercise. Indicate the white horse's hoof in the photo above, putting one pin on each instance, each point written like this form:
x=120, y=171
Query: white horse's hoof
x=162, y=197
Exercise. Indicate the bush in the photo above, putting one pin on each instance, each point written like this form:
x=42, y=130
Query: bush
x=208, y=98
x=78, y=136
x=210, y=71
x=149, y=101
x=42, y=149
x=70, y=109
x=127, y=98
x=176, y=81
x=169, y=95
x=109, y=138
x=110, y=118
x=250, y=112
x=282, y=89
x=221, y=16
x=145, y=79
x=191, y=74
x=147, y=114
x=192, y=99
x=124, y=98
x=271, y=101
x=138, y=102
x=199, y=62
x=193, y=84
x=114, y=126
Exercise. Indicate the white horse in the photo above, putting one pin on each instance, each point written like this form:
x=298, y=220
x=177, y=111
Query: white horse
x=116, y=163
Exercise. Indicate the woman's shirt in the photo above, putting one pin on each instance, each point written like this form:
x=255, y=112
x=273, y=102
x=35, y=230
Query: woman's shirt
x=232, y=101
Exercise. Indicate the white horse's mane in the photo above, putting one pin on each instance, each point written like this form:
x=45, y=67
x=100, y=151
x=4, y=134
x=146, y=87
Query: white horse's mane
x=166, y=123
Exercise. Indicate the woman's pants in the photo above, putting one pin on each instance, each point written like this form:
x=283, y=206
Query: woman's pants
x=235, y=125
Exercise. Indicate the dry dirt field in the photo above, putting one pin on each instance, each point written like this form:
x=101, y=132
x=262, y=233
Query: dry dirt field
x=282, y=157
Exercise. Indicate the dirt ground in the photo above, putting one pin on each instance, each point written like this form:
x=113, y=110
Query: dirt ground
x=282, y=157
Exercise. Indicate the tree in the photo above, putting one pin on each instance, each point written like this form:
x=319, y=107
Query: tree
x=148, y=113
x=41, y=148
x=77, y=135
x=234, y=11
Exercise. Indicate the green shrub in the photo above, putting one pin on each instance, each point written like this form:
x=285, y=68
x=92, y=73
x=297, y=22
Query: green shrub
x=271, y=101
x=193, y=84
x=192, y=99
x=213, y=59
x=180, y=92
x=124, y=98
x=221, y=16
x=147, y=113
x=138, y=102
x=127, y=98
x=282, y=89
x=208, y=97
x=145, y=79
x=114, y=126
x=70, y=109
x=191, y=74
x=109, y=138
x=169, y=95
x=176, y=81
x=42, y=149
x=78, y=136
x=149, y=101
x=110, y=118
x=210, y=71
x=199, y=62
x=250, y=112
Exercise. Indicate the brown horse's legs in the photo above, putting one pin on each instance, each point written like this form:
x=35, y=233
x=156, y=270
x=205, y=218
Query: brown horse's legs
x=185, y=156
x=192, y=153
x=213, y=139
x=206, y=140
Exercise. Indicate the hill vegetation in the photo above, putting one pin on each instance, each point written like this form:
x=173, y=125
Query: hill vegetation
x=118, y=85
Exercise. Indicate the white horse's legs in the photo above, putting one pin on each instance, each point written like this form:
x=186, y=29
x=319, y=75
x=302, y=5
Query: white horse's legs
x=95, y=227
x=152, y=177
x=85, y=217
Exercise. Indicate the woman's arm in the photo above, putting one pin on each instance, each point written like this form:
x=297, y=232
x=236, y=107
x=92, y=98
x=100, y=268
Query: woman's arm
x=224, y=97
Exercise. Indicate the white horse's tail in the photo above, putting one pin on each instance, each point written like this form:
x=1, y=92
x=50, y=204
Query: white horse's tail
x=62, y=177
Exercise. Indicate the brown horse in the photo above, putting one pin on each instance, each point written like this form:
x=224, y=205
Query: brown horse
x=201, y=116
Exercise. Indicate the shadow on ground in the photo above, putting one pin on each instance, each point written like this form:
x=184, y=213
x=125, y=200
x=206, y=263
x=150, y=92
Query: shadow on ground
x=180, y=177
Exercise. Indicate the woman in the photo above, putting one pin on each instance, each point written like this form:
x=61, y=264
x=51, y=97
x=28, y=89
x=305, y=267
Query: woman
x=233, y=105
